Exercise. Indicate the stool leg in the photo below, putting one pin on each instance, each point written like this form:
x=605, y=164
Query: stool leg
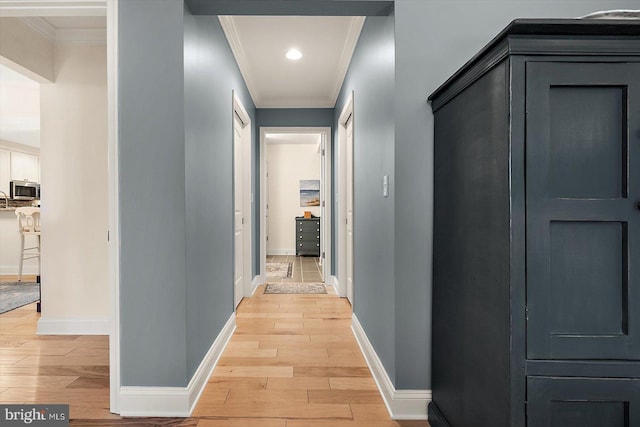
x=21, y=257
x=39, y=258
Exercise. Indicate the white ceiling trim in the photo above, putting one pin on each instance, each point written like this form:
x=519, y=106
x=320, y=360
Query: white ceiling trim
x=41, y=27
x=66, y=35
x=355, y=28
x=9, y=8
x=300, y=102
x=231, y=31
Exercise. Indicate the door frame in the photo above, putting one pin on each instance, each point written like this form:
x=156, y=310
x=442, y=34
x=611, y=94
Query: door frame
x=238, y=108
x=341, y=212
x=114, y=205
x=326, y=220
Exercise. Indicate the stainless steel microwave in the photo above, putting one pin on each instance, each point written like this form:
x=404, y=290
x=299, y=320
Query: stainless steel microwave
x=24, y=190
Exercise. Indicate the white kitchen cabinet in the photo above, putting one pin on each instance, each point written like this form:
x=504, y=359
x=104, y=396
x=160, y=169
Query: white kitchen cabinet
x=25, y=167
x=5, y=170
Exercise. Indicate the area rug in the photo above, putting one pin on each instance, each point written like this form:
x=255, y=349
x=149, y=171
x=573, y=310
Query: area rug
x=280, y=270
x=295, y=288
x=16, y=294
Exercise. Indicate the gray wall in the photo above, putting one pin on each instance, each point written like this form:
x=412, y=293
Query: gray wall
x=294, y=117
x=371, y=78
x=211, y=74
x=433, y=39
x=160, y=345
x=289, y=7
x=152, y=182
x=281, y=117
x=176, y=75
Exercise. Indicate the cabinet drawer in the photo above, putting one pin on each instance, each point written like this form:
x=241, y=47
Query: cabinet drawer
x=307, y=237
x=308, y=226
x=583, y=402
x=309, y=245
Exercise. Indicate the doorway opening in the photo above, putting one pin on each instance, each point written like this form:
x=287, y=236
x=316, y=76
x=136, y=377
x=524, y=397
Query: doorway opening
x=295, y=178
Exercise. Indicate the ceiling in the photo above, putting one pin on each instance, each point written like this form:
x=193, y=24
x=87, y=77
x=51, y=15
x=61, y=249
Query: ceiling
x=19, y=95
x=259, y=44
x=293, y=138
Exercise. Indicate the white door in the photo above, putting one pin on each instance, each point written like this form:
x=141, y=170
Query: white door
x=349, y=207
x=238, y=217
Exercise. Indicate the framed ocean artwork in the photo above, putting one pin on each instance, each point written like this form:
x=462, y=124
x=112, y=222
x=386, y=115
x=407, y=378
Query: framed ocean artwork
x=309, y=192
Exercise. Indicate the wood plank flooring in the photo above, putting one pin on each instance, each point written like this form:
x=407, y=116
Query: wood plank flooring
x=292, y=362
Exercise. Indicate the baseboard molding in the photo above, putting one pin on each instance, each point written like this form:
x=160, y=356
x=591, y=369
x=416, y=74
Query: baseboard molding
x=401, y=404
x=281, y=251
x=257, y=281
x=336, y=286
x=176, y=401
x=436, y=419
x=74, y=326
x=333, y=281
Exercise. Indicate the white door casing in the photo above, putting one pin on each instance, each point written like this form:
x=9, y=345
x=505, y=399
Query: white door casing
x=349, y=221
x=345, y=203
x=241, y=201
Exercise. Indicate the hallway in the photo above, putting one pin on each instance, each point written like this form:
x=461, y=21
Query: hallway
x=292, y=362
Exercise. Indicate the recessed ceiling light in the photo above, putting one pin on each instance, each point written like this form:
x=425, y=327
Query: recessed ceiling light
x=294, y=54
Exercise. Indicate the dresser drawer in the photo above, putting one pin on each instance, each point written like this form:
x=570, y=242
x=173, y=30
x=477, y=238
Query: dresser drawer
x=308, y=226
x=308, y=237
x=308, y=245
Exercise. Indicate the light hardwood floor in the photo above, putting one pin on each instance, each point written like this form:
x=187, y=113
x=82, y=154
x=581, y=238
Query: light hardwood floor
x=292, y=362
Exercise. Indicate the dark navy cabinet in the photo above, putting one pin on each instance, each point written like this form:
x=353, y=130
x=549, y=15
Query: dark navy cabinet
x=536, y=287
x=308, y=236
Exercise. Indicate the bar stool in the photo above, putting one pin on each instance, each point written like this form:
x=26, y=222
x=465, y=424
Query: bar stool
x=28, y=225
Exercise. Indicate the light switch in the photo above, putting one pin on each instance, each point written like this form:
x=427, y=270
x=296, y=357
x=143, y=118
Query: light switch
x=385, y=185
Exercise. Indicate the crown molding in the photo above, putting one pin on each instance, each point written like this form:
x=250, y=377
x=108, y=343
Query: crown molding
x=298, y=102
x=21, y=8
x=355, y=28
x=40, y=26
x=66, y=35
x=230, y=29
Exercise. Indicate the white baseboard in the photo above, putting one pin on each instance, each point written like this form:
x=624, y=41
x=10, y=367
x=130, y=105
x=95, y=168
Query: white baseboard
x=176, y=401
x=257, y=281
x=336, y=285
x=281, y=251
x=74, y=326
x=333, y=281
x=401, y=404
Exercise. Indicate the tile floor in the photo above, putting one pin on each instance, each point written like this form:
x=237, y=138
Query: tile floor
x=305, y=269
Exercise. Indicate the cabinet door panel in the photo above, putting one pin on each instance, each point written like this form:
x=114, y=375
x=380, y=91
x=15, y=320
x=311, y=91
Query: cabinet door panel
x=5, y=170
x=582, y=402
x=583, y=222
x=24, y=167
